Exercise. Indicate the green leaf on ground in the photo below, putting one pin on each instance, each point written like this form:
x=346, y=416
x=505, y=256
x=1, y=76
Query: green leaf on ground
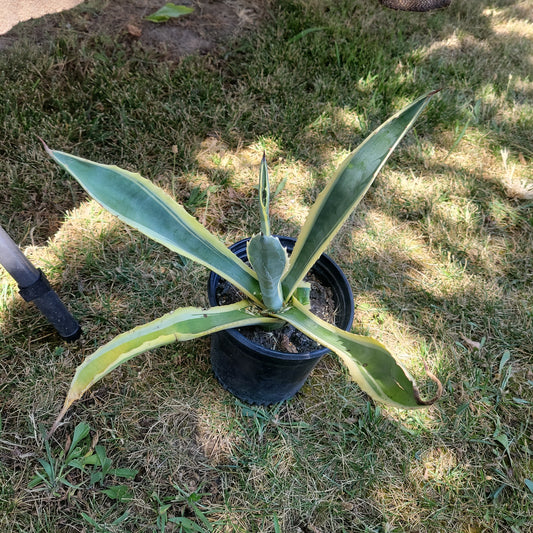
x=169, y=11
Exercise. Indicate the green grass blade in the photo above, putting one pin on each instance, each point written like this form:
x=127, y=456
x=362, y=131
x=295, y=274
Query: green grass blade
x=342, y=194
x=370, y=364
x=144, y=206
x=180, y=325
x=305, y=32
x=186, y=523
x=49, y=470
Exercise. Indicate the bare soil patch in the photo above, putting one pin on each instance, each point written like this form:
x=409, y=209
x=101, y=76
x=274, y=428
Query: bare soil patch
x=213, y=23
x=15, y=11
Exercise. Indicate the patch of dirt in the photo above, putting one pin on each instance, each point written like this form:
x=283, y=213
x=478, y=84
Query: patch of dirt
x=213, y=23
x=15, y=11
x=286, y=339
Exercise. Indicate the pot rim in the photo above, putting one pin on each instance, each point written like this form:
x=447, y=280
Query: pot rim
x=214, y=280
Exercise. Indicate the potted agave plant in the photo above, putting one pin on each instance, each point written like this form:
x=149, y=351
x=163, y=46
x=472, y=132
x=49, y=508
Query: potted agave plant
x=269, y=279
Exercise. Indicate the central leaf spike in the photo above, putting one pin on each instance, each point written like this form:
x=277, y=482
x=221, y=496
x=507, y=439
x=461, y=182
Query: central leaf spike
x=264, y=197
x=265, y=252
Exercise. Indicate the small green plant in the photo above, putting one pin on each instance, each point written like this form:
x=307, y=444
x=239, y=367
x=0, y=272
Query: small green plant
x=81, y=466
x=190, y=502
x=273, y=286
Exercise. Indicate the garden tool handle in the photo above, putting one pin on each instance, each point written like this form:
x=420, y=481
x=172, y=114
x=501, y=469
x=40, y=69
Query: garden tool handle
x=34, y=287
x=48, y=302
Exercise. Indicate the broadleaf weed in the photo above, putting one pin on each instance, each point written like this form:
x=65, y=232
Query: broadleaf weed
x=89, y=467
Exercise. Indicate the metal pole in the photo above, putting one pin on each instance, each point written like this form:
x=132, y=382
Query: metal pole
x=34, y=287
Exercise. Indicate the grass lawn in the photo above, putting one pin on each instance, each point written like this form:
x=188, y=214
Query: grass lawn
x=439, y=255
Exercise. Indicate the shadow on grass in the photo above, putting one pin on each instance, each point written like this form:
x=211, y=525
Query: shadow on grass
x=126, y=105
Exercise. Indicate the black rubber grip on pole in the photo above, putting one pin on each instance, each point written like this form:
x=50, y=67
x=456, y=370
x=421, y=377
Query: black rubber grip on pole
x=48, y=302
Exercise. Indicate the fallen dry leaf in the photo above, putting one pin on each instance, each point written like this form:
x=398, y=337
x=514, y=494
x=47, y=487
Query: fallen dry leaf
x=134, y=30
x=470, y=343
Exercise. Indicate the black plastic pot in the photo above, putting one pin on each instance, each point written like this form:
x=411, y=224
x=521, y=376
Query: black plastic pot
x=258, y=375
